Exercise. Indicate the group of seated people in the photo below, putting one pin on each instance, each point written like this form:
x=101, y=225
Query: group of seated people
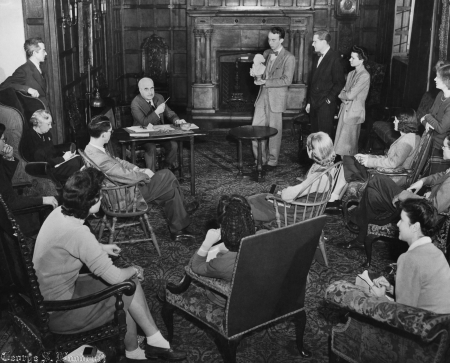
x=65, y=243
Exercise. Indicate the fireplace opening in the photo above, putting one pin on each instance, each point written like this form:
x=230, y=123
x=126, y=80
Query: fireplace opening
x=237, y=91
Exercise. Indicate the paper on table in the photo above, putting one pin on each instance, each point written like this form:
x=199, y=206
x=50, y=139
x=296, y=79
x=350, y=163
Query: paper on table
x=138, y=129
x=162, y=127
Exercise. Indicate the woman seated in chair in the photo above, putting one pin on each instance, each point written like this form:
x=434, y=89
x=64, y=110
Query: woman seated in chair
x=8, y=166
x=235, y=219
x=423, y=273
x=378, y=203
x=439, y=117
x=320, y=149
x=400, y=154
x=64, y=244
x=37, y=145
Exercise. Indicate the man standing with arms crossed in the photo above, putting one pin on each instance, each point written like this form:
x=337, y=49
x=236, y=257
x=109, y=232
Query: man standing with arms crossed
x=272, y=97
x=326, y=82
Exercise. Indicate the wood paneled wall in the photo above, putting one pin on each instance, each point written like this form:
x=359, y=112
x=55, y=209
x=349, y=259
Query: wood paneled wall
x=45, y=18
x=127, y=22
x=135, y=20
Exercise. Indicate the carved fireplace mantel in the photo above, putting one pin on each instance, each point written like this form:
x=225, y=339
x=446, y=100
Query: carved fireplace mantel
x=214, y=33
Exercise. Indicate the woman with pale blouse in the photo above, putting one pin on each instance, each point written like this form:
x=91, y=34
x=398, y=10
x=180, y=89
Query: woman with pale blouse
x=352, y=112
x=320, y=149
x=64, y=244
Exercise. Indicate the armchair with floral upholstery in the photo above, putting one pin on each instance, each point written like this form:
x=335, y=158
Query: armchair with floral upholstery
x=256, y=296
x=381, y=331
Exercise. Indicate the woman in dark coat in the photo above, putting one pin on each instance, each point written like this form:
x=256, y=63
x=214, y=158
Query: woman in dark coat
x=37, y=145
x=8, y=165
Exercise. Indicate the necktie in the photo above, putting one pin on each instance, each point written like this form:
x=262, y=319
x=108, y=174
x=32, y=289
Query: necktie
x=273, y=52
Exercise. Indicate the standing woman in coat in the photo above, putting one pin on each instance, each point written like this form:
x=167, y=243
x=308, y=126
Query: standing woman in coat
x=352, y=113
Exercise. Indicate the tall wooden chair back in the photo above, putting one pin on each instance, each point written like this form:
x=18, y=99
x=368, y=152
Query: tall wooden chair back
x=30, y=312
x=155, y=63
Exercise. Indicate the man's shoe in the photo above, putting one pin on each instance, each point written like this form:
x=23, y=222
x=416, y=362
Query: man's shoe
x=354, y=243
x=191, y=207
x=163, y=353
x=305, y=353
x=184, y=232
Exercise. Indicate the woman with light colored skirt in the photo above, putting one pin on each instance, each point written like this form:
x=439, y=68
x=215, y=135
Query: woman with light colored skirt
x=352, y=112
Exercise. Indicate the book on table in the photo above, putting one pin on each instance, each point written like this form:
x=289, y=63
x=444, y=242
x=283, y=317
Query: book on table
x=140, y=131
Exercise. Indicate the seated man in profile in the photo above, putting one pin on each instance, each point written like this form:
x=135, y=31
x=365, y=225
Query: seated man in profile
x=161, y=187
x=149, y=108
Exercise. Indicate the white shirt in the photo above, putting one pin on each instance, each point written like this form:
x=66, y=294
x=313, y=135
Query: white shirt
x=420, y=242
x=37, y=64
x=98, y=147
x=323, y=55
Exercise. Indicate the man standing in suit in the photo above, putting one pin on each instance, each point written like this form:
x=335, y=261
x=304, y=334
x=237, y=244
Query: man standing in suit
x=327, y=81
x=272, y=97
x=29, y=78
x=149, y=108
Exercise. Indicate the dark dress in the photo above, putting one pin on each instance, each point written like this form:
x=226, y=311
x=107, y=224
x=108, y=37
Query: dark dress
x=13, y=201
x=39, y=147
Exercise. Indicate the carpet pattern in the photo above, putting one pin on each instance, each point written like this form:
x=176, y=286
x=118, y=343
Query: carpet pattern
x=216, y=168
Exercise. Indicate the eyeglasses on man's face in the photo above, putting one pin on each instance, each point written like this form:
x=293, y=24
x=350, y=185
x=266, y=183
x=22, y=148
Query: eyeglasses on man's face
x=111, y=131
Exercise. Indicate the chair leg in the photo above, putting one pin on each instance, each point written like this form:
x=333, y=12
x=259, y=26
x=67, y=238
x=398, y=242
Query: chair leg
x=300, y=325
x=227, y=347
x=322, y=248
x=102, y=227
x=368, y=247
x=112, y=230
x=167, y=316
x=141, y=220
x=149, y=226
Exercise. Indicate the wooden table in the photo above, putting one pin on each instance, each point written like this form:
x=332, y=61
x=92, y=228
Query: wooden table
x=124, y=139
x=256, y=133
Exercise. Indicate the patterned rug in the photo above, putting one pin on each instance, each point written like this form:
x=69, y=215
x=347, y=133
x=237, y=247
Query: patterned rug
x=216, y=168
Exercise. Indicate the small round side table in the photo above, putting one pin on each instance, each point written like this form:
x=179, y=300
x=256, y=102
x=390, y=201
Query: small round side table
x=254, y=133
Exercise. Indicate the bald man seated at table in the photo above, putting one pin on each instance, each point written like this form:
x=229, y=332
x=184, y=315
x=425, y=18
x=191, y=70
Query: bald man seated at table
x=149, y=108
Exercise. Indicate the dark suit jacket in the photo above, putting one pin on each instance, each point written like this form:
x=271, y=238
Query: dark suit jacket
x=327, y=80
x=143, y=114
x=28, y=76
x=14, y=201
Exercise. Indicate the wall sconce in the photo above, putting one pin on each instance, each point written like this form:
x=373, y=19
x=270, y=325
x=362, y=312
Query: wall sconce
x=97, y=14
x=103, y=7
x=72, y=18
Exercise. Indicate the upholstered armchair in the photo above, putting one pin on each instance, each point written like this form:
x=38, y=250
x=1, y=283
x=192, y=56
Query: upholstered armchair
x=385, y=331
x=268, y=285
